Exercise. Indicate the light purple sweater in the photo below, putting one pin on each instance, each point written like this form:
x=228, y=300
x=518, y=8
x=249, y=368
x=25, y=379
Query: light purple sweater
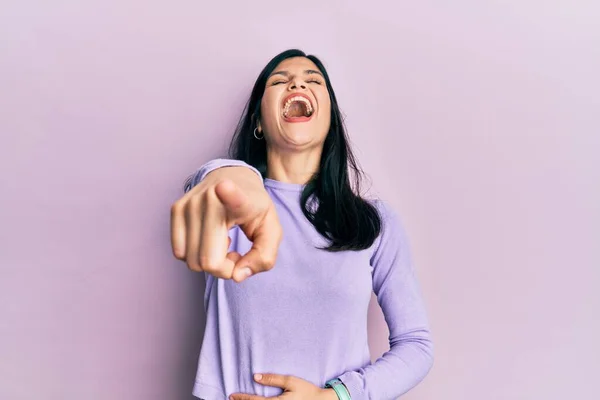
x=307, y=316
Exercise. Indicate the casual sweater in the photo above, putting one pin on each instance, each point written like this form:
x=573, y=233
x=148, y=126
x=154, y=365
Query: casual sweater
x=307, y=317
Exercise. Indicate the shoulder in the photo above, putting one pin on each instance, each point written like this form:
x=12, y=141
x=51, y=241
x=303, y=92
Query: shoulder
x=392, y=225
x=389, y=216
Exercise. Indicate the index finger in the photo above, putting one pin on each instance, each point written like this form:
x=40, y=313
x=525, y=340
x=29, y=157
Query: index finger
x=245, y=396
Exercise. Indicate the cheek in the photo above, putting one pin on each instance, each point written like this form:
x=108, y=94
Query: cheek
x=323, y=99
x=264, y=105
x=268, y=107
x=266, y=110
x=326, y=107
x=270, y=99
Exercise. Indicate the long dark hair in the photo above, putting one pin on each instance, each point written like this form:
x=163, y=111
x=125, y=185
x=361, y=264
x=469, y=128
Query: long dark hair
x=344, y=218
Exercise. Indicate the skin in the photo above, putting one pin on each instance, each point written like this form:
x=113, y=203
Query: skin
x=293, y=389
x=294, y=149
x=200, y=220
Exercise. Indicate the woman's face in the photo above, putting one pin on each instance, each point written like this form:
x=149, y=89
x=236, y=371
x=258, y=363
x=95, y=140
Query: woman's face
x=295, y=108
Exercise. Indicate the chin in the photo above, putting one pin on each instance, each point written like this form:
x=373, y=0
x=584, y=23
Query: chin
x=299, y=139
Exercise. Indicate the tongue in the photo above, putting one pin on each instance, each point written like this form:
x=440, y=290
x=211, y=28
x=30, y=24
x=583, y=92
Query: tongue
x=296, y=110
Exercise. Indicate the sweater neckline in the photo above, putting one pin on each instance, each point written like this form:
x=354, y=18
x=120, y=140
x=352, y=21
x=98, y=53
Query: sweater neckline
x=293, y=187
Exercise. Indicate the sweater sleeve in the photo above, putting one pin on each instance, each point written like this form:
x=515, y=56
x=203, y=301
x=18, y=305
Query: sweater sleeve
x=410, y=356
x=210, y=166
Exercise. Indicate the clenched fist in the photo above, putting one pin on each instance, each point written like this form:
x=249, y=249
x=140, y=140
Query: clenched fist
x=201, y=219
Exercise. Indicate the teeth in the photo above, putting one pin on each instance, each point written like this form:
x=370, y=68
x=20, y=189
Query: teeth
x=289, y=102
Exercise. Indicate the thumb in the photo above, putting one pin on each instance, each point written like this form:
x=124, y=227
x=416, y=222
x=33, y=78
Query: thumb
x=265, y=245
x=237, y=204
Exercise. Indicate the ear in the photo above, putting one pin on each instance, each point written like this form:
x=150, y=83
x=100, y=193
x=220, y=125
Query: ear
x=258, y=125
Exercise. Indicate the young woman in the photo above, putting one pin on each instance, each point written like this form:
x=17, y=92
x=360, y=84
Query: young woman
x=292, y=253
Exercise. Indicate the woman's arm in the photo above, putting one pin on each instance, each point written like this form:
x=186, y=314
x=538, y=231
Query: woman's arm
x=411, y=351
x=214, y=202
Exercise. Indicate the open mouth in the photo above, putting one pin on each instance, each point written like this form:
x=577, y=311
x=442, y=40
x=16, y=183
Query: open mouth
x=297, y=108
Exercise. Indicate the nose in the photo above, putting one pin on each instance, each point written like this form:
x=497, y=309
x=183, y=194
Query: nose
x=297, y=82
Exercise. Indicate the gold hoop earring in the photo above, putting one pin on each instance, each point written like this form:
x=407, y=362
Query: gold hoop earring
x=258, y=138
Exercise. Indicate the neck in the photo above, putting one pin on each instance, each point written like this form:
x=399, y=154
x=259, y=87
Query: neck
x=293, y=167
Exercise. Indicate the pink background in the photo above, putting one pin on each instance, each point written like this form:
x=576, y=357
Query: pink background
x=476, y=120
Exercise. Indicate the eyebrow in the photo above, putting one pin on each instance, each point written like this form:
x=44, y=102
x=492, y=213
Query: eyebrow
x=286, y=73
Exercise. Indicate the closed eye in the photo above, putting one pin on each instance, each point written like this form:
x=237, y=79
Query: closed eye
x=309, y=81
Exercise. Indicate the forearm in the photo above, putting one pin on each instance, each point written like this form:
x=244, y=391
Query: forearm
x=238, y=171
x=395, y=373
x=398, y=293
x=243, y=177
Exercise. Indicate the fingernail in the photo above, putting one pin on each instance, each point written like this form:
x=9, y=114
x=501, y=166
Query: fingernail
x=247, y=272
x=258, y=377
